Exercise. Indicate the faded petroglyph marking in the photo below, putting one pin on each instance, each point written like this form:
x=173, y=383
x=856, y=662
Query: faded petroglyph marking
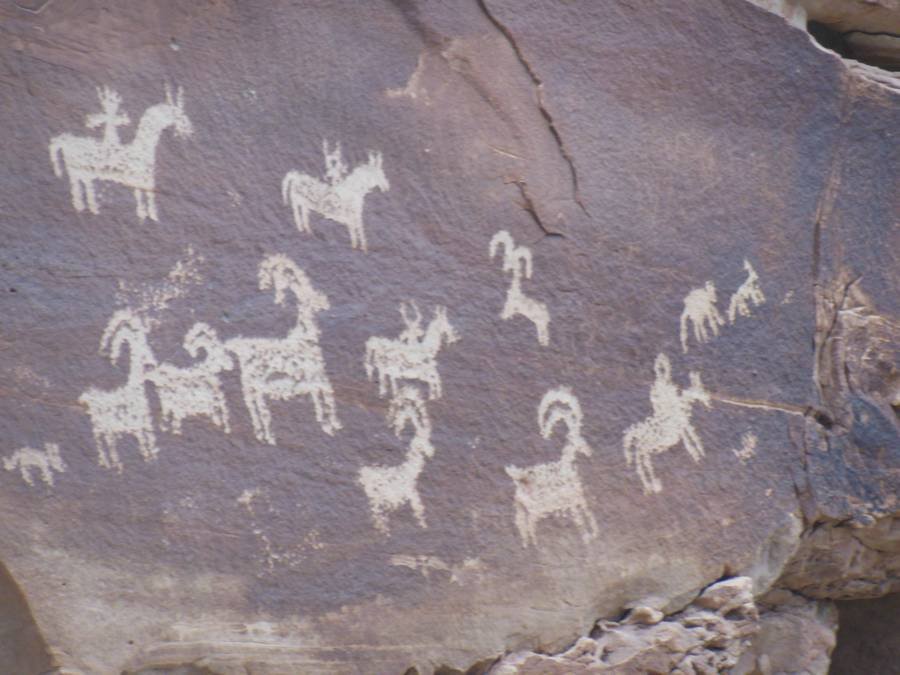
x=390, y=487
x=88, y=159
x=413, y=88
x=412, y=355
x=272, y=554
x=748, y=447
x=669, y=424
x=194, y=391
x=517, y=261
x=153, y=298
x=554, y=487
x=279, y=369
x=700, y=312
x=125, y=411
x=45, y=461
x=468, y=569
x=339, y=198
x=749, y=294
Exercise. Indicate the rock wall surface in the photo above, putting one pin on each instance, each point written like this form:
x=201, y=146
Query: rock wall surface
x=424, y=337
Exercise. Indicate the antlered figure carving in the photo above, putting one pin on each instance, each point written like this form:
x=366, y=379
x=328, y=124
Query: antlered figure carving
x=517, y=261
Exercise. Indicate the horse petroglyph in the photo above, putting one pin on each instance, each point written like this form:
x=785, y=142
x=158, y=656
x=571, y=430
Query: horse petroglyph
x=554, y=487
x=283, y=368
x=46, y=461
x=339, y=197
x=669, y=424
x=124, y=411
x=749, y=294
x=517, y=261
x=390, y=487
x=412, y=355
x=700, y=312
x=88, y=159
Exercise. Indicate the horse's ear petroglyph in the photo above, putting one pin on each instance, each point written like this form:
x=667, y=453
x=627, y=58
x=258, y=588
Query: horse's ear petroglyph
x=283, y=368
x=669, y=424
x=554, y=487
x=45, y=461
x=87, y=159
x=339, y=197
x=517, y=262
x=749, y=294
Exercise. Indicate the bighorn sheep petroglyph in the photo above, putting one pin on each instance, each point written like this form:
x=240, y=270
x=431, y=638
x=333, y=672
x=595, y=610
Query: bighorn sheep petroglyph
x=517, y=261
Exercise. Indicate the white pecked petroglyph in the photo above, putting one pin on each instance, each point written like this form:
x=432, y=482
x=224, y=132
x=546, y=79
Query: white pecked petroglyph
x=700, y=312
x=390, y=487
x=669, y=424
x=283, y=368
x=554, y=487
x=340, y=197
x=149, y=299
x=124, y=411
x=468, y=569
x=88, y=159
x=517, y=261
x=749, y=294
x=747, y=450
x=412, y=355
x=194, y=391
x=46, y=461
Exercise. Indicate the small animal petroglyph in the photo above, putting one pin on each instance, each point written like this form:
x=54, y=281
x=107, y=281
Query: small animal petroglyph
x=412, y=355
x=749, y=294
x=748, y=447
x=554, y=487
x=88, y=159
x=340, y=197
x=390, y=487
x=279, y=369
x=194, y=391
x=700, y=311
x=125, y=411
x=669, y=424
x=46, y=461
x=517, y=261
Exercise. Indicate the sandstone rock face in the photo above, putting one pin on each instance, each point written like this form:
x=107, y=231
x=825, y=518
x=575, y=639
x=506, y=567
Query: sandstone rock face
x=407, y=337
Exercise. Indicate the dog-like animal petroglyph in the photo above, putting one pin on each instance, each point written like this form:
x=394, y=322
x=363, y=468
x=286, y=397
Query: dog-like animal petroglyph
x=45, y=461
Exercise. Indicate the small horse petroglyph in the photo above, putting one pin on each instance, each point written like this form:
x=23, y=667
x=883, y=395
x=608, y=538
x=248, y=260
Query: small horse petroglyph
x=124, y=411
x=390, y=487
x=517, y=261
x=194, y=391
x=283, y=368
x=413, y=355
x=669, y=424
x=554, y=487
x=700, y=311
x=749, y=294
x=87, y=159
x=46, y=461
x=340, y=197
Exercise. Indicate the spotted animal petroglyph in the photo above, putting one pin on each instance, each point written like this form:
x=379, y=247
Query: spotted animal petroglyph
x=517, y=261
x=45, y=461
x=279, y=369
x=669, y=424
x=87, y=159
x=701, y=313
x=412, y=355
x=749, y=294
x=390, y=487
x=554, y=487
x=339, y=197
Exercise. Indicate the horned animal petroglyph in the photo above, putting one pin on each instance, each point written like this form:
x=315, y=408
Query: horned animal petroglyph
x=749, y=294
x=46, y=461
x=390, y=487
x=554, y=487
x=700, y=311
x=283, y=368
x=340, y=197
x=517, y=261
x=413, y=355
x=669, y=424
x=124, y=411
x=87, y=159
x=194, y=391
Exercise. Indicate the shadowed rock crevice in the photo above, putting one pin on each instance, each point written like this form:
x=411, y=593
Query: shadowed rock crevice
x=22, y=647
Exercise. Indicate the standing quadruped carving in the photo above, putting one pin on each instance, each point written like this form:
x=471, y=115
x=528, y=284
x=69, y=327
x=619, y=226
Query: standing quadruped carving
x=517, y=261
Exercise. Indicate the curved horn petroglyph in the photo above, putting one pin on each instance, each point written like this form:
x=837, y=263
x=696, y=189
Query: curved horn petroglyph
x=339, y=197
x=45, y=461
x=87, y=159
x=517, y=261
x=554, y=487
